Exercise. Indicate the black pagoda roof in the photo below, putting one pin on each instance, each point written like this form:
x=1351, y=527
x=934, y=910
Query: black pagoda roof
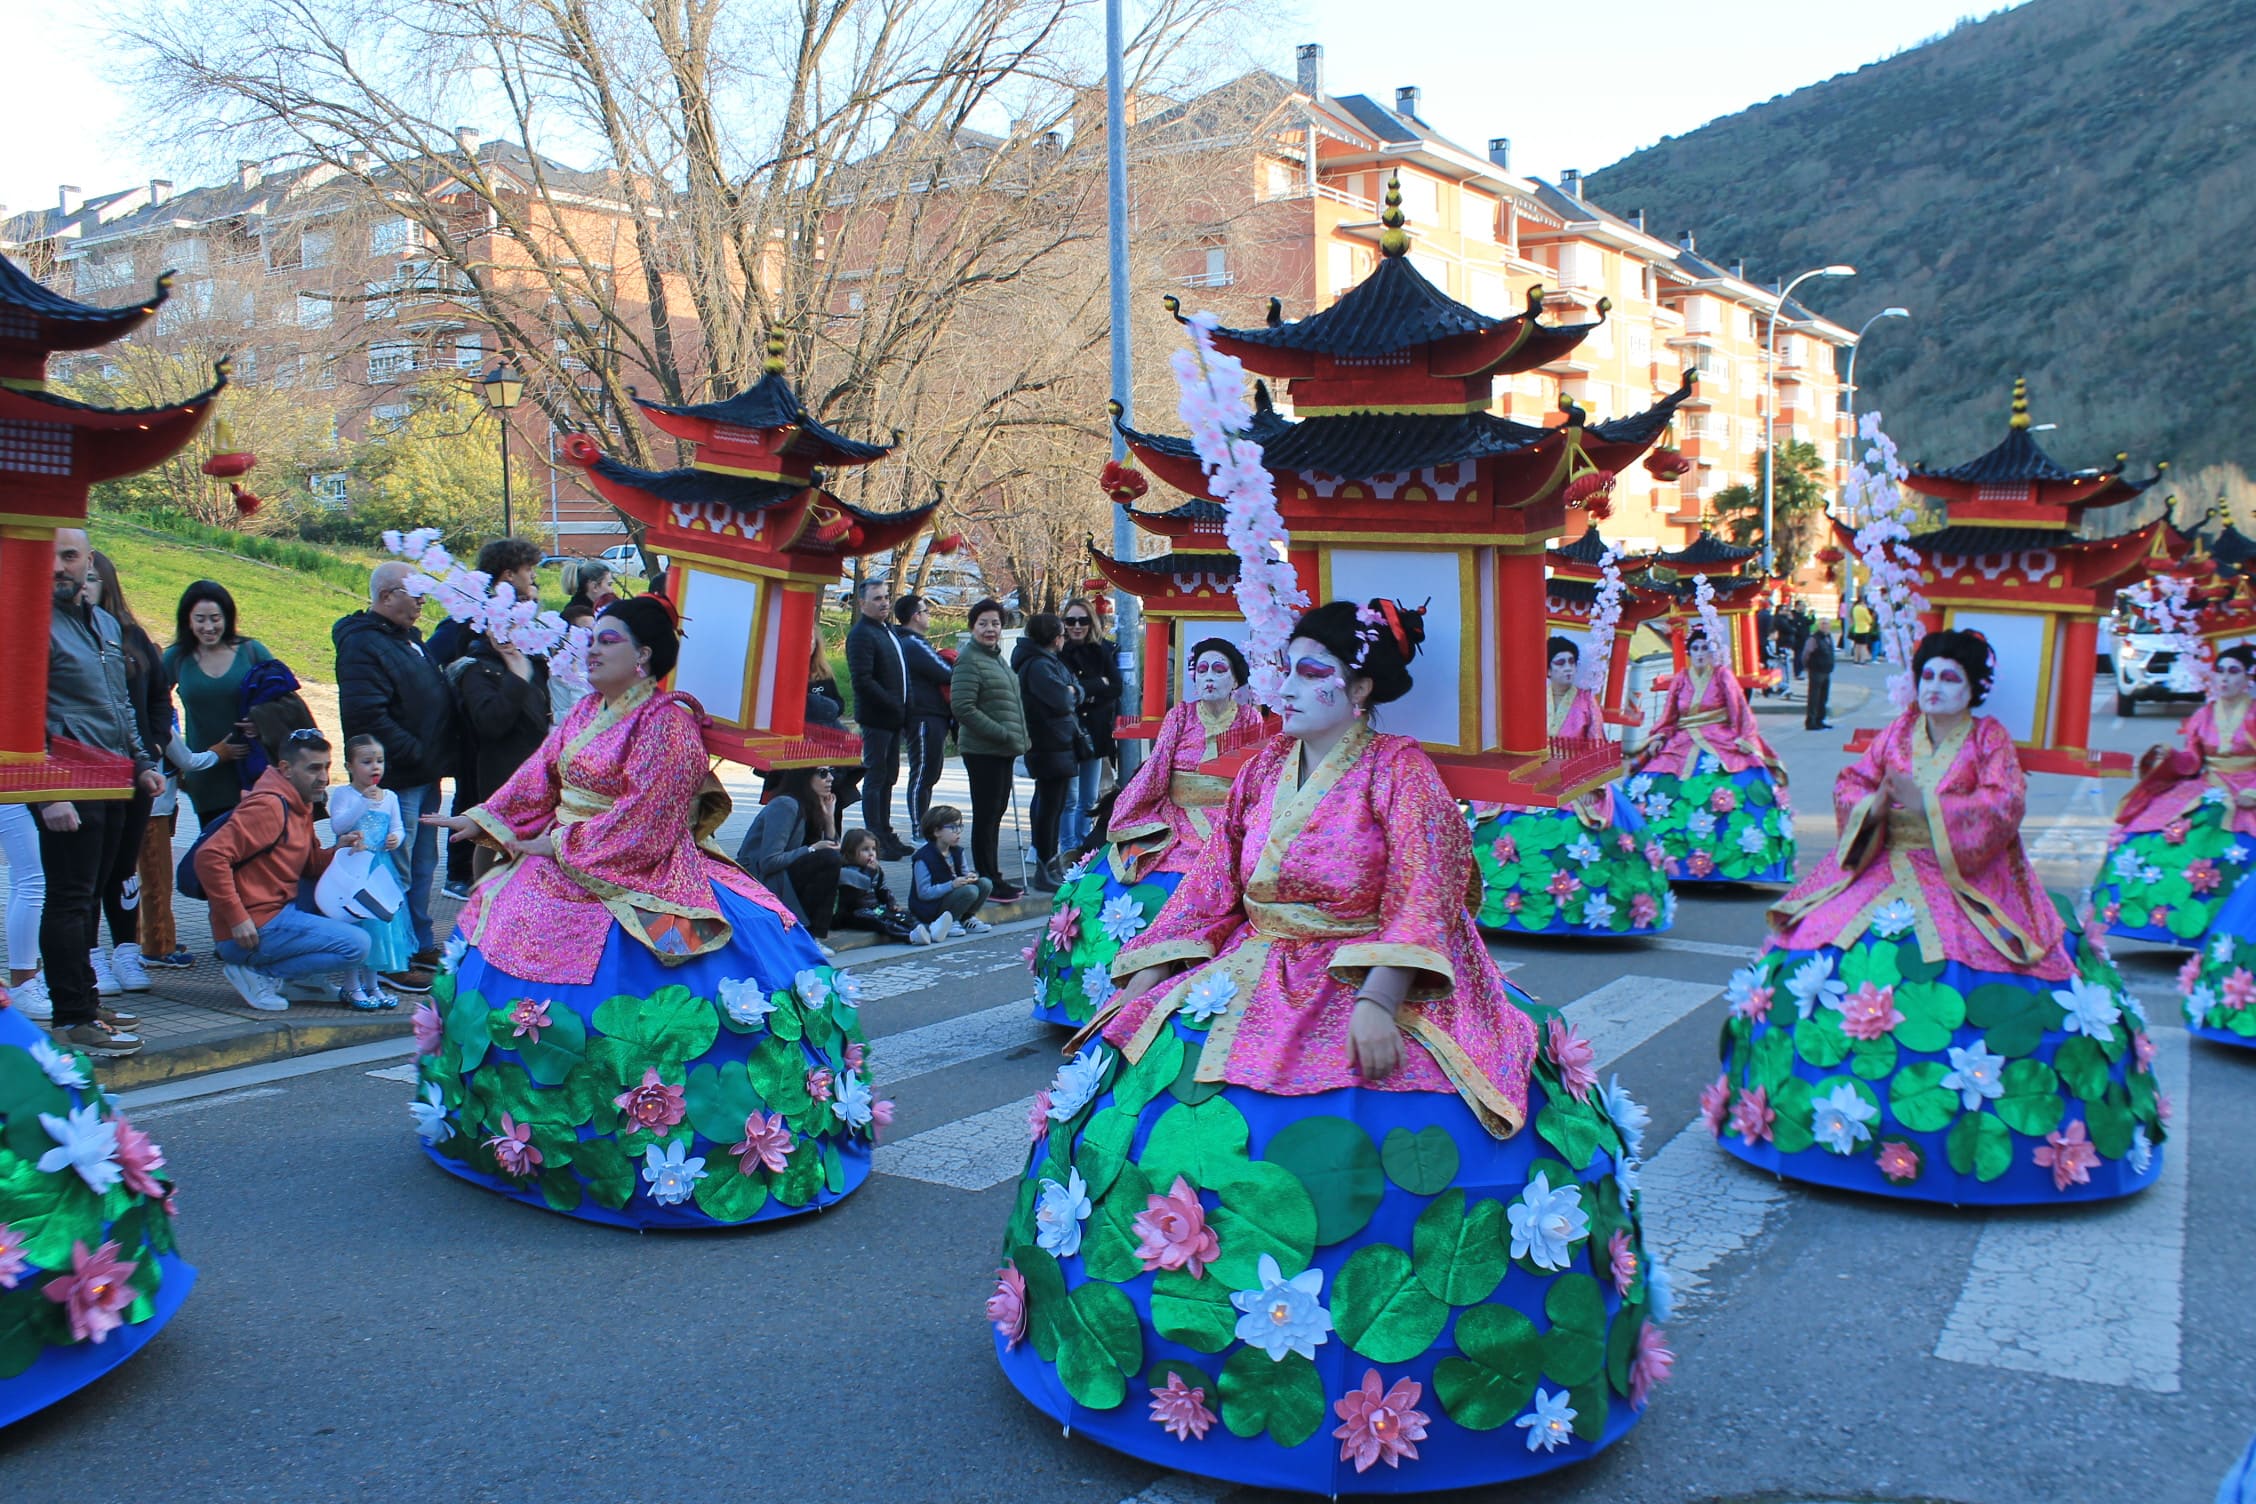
x=1588, y=549
x=2232, y=548
x=771, y=403
x=691, y=486
x=1705, y=551
x=21, y=292
x=1223, y=565
x=1974, y=540
x=1566, y=587
x=1392, y=309
x=2017, y=460
x=1197, y=511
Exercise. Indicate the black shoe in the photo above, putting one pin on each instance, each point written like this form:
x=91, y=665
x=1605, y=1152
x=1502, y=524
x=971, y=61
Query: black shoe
x=894, y=849
x=1006, y=893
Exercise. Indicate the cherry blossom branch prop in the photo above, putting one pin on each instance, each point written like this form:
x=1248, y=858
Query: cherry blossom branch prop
x=1711, y=620
x=1213, y=405
x=2167, y=601
x=473, y=598
x=1605, y=619
x=1883, y=547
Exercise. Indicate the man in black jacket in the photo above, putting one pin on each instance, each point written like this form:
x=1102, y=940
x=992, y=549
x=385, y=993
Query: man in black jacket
x=879, y=668
x=927, y=730
x=388, y=688
x=1817, y=667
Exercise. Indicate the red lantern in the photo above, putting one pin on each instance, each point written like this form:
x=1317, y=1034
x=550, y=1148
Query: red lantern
x=245, y=502
x=1667, y=463
x=229, y=463
x=1589, y=485
x=1829, y=555
x=1600, y=508
x=1123, y=483
x=946, y=544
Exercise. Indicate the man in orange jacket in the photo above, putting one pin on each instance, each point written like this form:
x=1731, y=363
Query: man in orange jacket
x=252, y=869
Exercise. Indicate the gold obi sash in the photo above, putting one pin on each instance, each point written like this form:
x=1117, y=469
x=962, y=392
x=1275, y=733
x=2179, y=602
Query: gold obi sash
x=574, y=804
x=1196, y=793
x=2233, y=764
x=1702, y=718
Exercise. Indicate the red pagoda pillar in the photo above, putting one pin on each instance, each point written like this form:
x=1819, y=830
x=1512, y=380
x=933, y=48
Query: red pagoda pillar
x=2079, y=663
x=1158, y=669
x=1522, y=730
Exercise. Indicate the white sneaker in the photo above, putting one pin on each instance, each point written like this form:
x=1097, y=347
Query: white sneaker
x=125, y=965
x=314, y=989
x=256, y=988
x=31, y=1000
x=828, y=953
x=976, y=926
x=943, y=927
x=105, y=982
x=920, y=936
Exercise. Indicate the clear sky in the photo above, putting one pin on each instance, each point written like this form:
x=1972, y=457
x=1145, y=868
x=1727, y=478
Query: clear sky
x=1574, y=83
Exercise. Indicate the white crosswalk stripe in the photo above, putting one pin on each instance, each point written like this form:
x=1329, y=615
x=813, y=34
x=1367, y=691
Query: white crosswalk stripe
x=953, y=1041
x=969, y=1154
x=1700, y=1206
x=1627, y=1011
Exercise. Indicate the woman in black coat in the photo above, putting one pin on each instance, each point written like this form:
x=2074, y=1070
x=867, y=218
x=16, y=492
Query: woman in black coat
x=1096, y=668
x=1053, y=726
x=792, y=847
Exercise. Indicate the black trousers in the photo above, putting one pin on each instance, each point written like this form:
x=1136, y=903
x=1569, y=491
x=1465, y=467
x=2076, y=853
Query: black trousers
x=1050, y=796
x=121, y=888
x=77, y=863
x=814, y=877
x=926, y=736
x=990, y=796
x=1820, y=689
x=458, y=853
x=881, y=768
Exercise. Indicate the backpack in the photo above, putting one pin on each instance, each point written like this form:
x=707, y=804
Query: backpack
x=184, y=879
x=269, y=700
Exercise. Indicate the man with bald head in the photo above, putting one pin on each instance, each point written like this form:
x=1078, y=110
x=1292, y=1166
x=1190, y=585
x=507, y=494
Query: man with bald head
x=389, y=688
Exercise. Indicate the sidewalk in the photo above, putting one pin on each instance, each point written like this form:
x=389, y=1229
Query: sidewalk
x=194, y=1022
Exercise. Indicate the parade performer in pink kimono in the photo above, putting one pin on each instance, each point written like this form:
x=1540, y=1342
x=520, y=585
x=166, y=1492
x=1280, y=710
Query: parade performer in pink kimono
x=2185, y=835
x=632, y=1030
x=1709, y=787
x=2219, y=980
x=1159, y=824
x=1926, y=1021
x=1318, y=1173
x=1590, y=868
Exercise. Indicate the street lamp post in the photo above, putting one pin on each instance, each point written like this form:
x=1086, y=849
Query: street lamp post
x=1124, y=605
x=504, y=387
x=1770, y=402
x=1885, y=313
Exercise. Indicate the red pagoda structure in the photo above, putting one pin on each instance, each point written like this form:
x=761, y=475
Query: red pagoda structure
x=1571, y=599
x=1393, y=478
x=2011, y=563
x=52, y=449
x=1186, y=594
x=754, y=537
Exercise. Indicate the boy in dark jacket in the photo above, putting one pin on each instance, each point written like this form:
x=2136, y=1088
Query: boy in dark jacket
x=943, y=891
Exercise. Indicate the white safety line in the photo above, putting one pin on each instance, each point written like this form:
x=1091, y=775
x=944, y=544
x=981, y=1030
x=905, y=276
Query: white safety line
x=969, y=1154
x=198, y=1104
x=1699, y=1205
x=1627, y=1011
x=1704, y=948
x=953, y=1041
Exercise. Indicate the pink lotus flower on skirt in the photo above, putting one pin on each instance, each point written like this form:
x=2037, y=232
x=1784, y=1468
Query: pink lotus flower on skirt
x=1723, y=801
x=430, y=1029
x=140, y=1158
x=1379, y=1424
x=2203, y=876
x=1065, y=927
x=1572, y=1054
x=2175, y=832
x=818, y=1083
x=1173, y=1232
x=94, y=1292
x=1030, y=955
x=1624, y=842
x=767, y=1143
x=529, y=1018
x=1699, y=864
x=1899, y=1161
x=1715, y=1104
x=1643, y=911
x=2111, y=913
x=1506, y=850
x=2158, y=915
x=2070, y=1156
x=881, y=1116
x=2239, y=989
x=1756, y=1005
x=2142, y=1052
x=1514, y=901
x=1752, y=1115
x=1181, y=1409
x=1652, y=1365
x=1621, y=1261
x=2164, y=1108
x=857, y=1055
x=2189, y=975
x=1656, y=855
x=1870, y=1012
x=513, y=1148
x=12, y=1260
x=653, y=1106
x=1006, y=1308
x=1564, y=885
x=1038, y=1116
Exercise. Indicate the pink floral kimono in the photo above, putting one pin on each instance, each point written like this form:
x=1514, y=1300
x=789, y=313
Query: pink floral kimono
x=1163, y=817
x=2216, y=752
x=1708, y=713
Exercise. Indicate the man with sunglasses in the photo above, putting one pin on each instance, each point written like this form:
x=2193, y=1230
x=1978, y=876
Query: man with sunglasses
x=926, y=735
x=879, y=667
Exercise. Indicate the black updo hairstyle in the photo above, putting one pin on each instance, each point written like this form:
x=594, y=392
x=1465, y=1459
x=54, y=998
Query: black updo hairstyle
x=2241, y=653
x=1335, y=626
x=1969, y=650
x=1230, y=653
x=652, y=621
x=1557, y=645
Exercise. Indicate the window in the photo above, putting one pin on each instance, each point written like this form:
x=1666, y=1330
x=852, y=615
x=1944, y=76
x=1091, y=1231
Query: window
x=330, y=490
x=246, y=366
x=1581, y=265
x=391, y=236
x=855, y=302
x=377, y=301
x=1217, y=266
x=389, y=416
x=390, y=360
x=1421, y=201
x=1640, y=345
x=1339, y=267
x=326, y=378
x=315, y=248
x=1278, y=179
x=1700, y=318
x=1476, y=213
x=469, y=352
x=314, y=310
x=186, y=255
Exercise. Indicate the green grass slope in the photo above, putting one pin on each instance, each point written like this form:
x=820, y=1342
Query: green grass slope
x=287, y=609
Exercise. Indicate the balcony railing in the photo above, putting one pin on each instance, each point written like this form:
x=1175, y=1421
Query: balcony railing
x=1209, y=279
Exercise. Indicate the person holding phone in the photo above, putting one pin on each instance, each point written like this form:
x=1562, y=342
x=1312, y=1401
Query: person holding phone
x=206, y=664
x=792, y=847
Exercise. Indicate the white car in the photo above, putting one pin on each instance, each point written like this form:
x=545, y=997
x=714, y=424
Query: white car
x=623, y=558
x=2147, y=667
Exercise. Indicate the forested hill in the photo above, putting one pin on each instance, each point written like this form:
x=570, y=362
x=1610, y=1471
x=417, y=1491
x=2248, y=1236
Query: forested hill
x=2066, y=190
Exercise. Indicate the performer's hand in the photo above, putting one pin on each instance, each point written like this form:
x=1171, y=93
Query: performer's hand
x=1143, y=981
x=543, y=844
x=461, y=825
x=1373, y=1041
x=1903, y=789
x=2246, y=798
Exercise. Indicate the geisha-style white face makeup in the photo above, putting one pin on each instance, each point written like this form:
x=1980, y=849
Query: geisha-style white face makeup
x=1212, y=678
x=1700, y=653
x=2232, y=679
x=1563, y=666
x=1314, y=699
x=1943, y=688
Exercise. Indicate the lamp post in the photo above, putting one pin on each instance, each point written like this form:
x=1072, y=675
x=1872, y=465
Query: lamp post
x=1770, y=401
x=1885, y=313
x=1124, y=605
x=504, y=388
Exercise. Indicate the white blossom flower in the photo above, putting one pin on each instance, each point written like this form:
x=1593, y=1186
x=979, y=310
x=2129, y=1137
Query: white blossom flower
x=1080, y=867
x=851, y=1101
x=2214, y=796
x=2142, y=1150
x=429, y=1112
x=450, y=959
x=2091, y=1009
x=813, y=991
x=1701, y=825
x=1894, y=918
x=1640, y=786
x=848, y=987
x=1814, y=986
x=1096, y=985
x=1546, y=1223
x=2239, y=853
x=1741, y=988
x=1628, y=1115
x=2125, y=866
x=1843, y=1119
x=1753, y=839
x=1059, y=1211
x=1583, y=850
x=670, y=1175
x=1660, y=1289
x=85, y=1143
x=2198, y=1003
x=1076, y=1082
x=2150, y=874
x=1210, y=996
x=1123, y=919
x=61, y=1069
x=1597, y=908
x=1550, y=1425
x=746, y=1001
x=1975, y=1074
x=1668, y=908
x=1282, y=1315
x=1626, y=1174
x=2134, y=1010
x=2221, y=950
x=1658, y=806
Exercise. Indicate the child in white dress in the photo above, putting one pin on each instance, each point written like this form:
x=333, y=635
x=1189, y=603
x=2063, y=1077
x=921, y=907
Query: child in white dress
x=367, y=806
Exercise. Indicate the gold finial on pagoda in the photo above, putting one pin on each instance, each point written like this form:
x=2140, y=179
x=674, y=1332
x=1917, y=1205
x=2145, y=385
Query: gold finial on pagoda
x=773, y=365
x=1393, y=240
x=2021, y=402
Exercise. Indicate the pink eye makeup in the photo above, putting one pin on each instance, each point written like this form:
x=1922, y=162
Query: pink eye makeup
x=1313, y=668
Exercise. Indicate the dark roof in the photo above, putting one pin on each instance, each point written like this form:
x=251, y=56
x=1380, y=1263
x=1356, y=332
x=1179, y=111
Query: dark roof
x=1378, y=119
x=20, y=291
x=1223, y=564
x=1566, y=587
x=1990, y=540
x=1392, y=309
x=1687, y=588
x=1706, y=550
x=1587, y=549
x=1198, y=511
x=2017, y=459
x=771, y=403
x=693, y=486
x=2231, y=547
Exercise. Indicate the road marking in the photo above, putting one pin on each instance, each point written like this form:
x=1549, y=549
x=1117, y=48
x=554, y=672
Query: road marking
x=2096, y=1292
x=198, y=1104
x=273, y=1070
x=953, y=1041
x=970, y=1154
x=404, y=1074
x=926, y=971
x=1627, y=1011
x=1704, y=948
x=1699, y=1205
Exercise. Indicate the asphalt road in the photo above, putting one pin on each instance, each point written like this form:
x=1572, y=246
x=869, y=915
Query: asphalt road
x=367, y=1327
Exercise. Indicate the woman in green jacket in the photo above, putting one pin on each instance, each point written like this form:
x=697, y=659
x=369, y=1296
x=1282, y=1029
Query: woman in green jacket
x=990, y=733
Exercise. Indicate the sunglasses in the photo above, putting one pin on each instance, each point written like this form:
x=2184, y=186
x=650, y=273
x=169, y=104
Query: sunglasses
x=305, y=734
x=1077, y=621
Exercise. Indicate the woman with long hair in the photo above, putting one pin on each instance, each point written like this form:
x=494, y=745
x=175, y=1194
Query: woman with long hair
x=206, y=664
x=793, y=847
x=1095, y=665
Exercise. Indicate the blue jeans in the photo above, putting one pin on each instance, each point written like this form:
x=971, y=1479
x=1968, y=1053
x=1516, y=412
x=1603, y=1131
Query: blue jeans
x=418, y=858
x=1073, y=828
x=295, y=943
